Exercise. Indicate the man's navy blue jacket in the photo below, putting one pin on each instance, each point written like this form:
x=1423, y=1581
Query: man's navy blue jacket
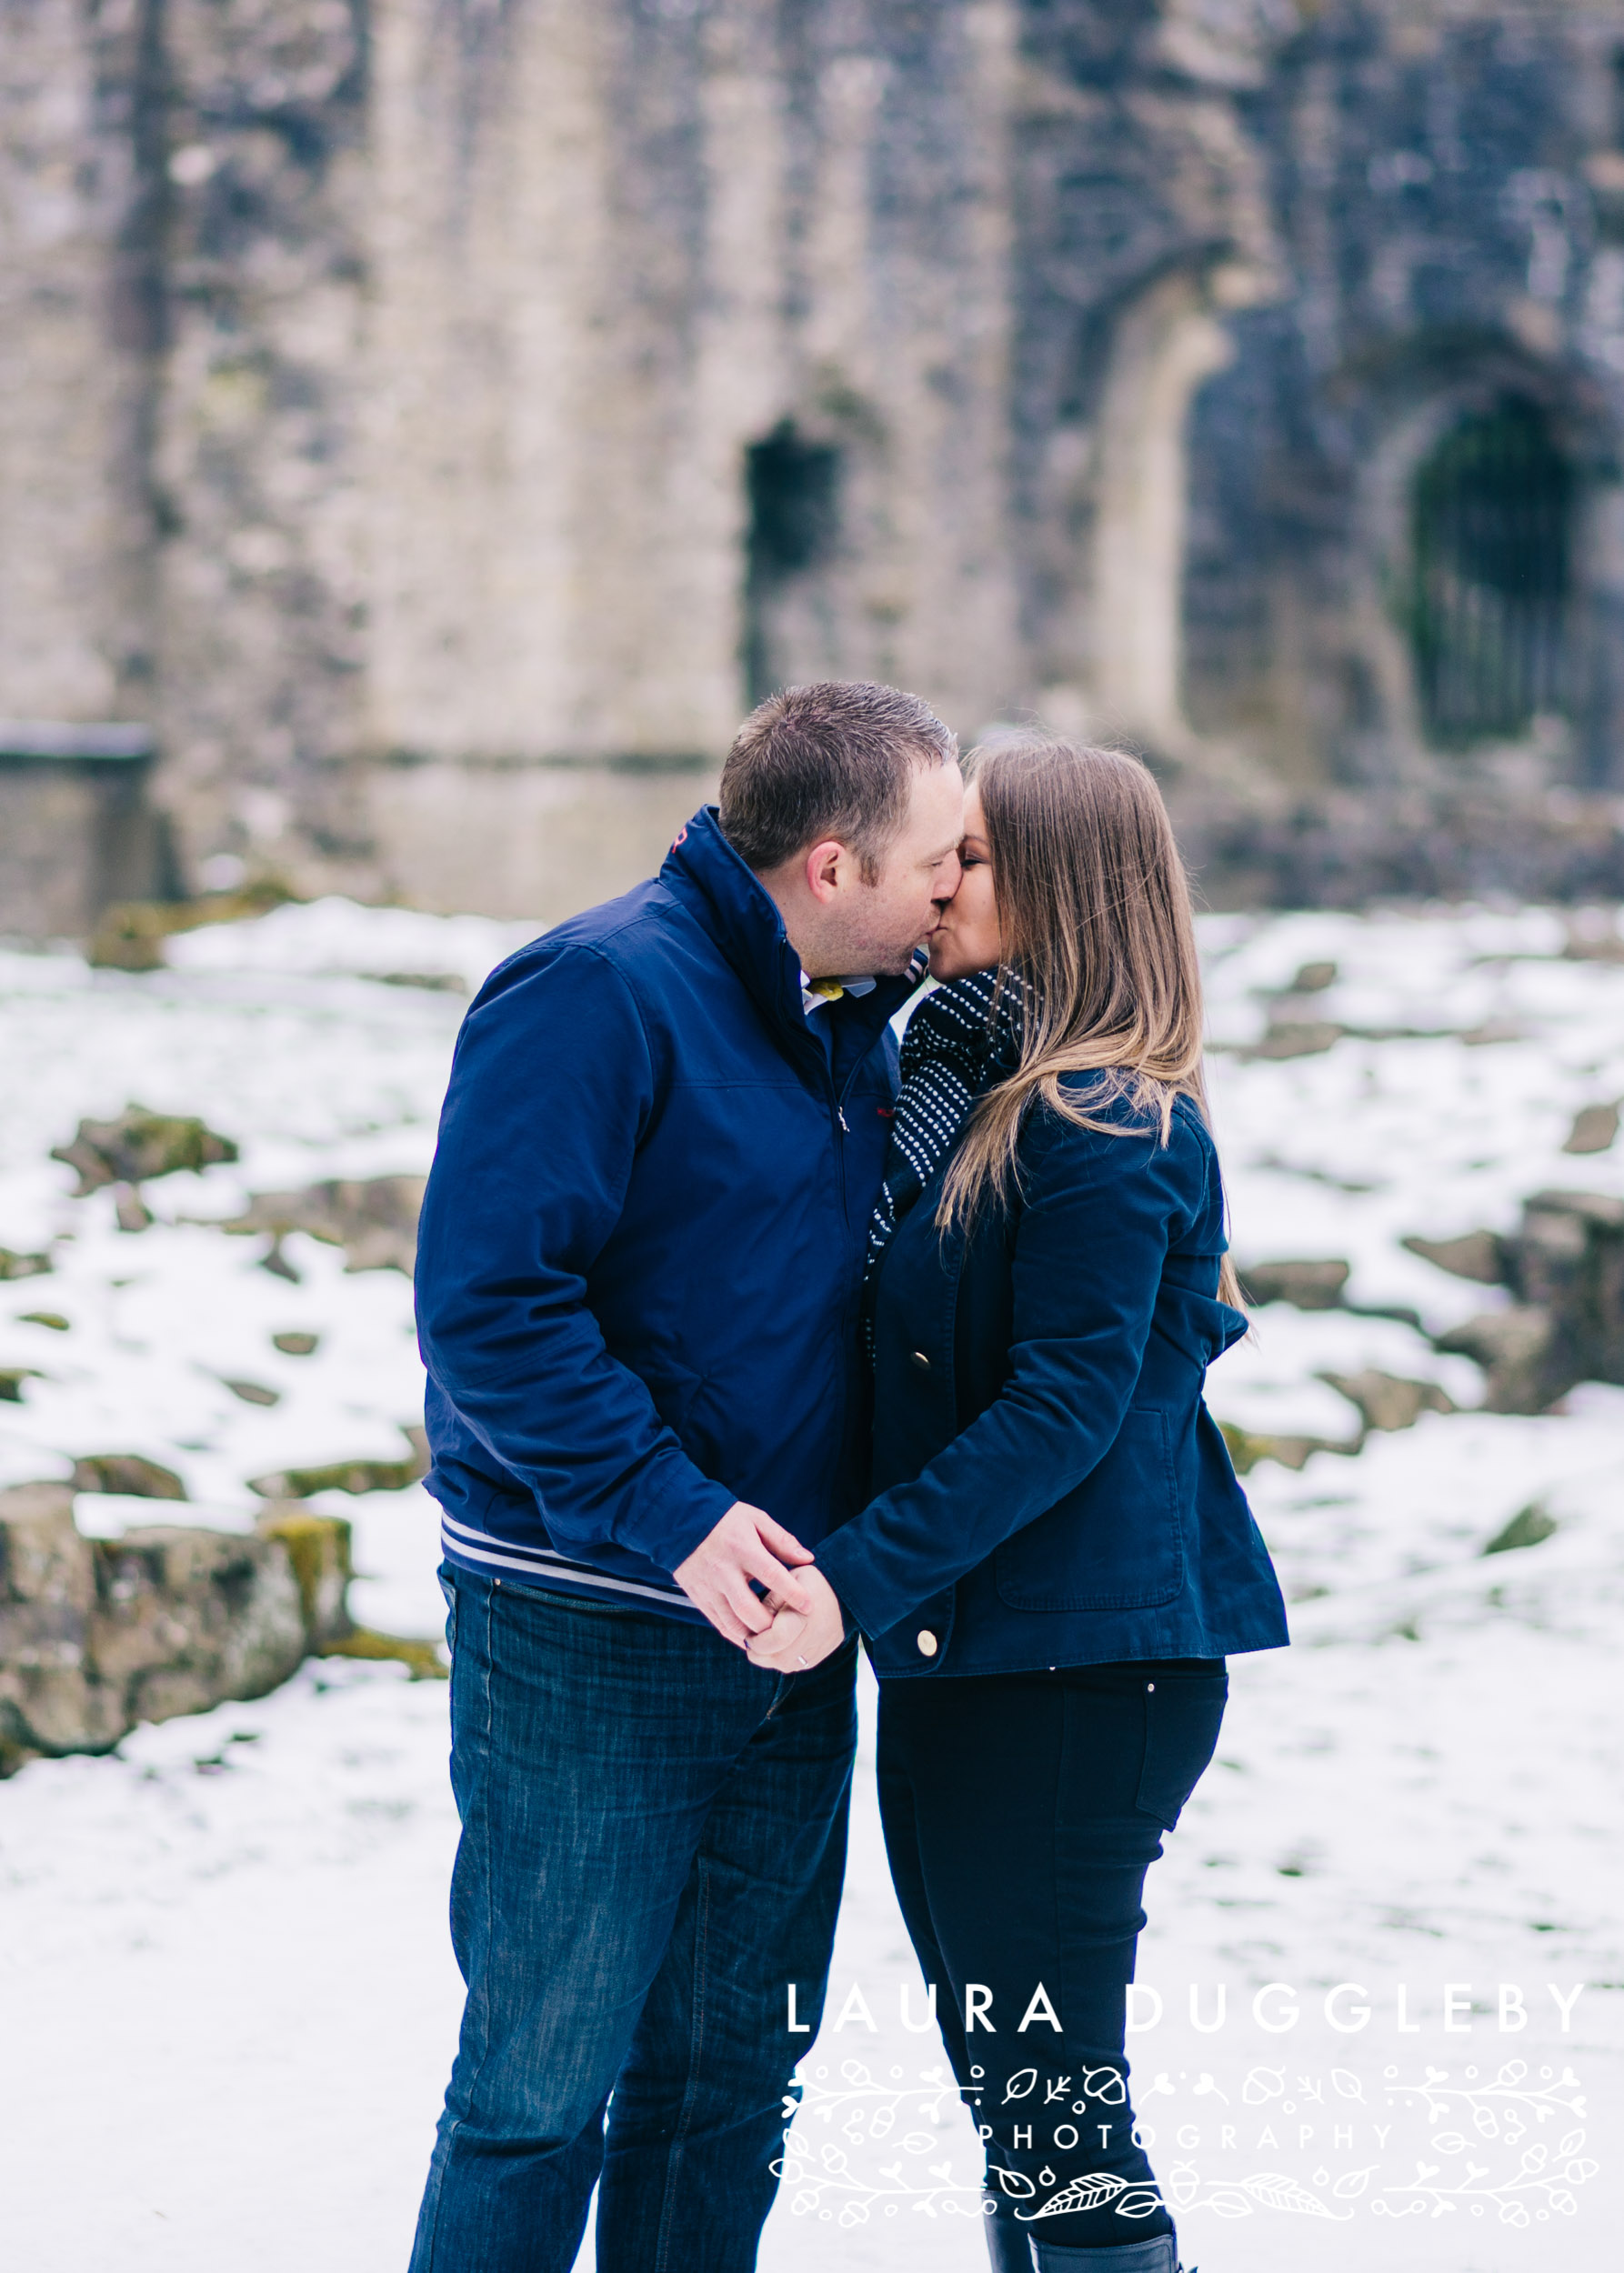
x=641, y=1248
x=1051, y=1488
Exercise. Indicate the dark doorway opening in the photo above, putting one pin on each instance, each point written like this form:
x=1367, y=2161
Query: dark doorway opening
x=792, y=486
x=1490, y=530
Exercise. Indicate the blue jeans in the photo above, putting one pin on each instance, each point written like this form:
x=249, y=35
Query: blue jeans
x=652, y=1843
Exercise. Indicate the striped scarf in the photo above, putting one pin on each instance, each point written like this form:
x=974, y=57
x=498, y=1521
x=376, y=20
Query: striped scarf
x=957, y=1044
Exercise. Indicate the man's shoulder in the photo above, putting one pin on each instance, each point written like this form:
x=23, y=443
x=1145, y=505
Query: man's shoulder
x=638, y=965
x=630, y=935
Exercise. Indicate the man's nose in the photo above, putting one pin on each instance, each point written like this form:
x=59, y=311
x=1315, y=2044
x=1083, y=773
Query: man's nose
x=949, y=882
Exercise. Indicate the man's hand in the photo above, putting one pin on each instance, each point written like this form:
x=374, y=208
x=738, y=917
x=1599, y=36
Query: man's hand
x=798, y=1641
x=716, y=1577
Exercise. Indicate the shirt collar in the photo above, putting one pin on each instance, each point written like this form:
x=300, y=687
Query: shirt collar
x=704, y=873
x=817, y=992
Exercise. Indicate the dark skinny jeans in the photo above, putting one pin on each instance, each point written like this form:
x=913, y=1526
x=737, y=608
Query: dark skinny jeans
x=1021, y=1813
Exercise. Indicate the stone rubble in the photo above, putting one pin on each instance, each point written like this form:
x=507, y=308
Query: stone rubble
x=1564, y=1267
x=375, y=1221
x=99, y=1635
x=139, y=1146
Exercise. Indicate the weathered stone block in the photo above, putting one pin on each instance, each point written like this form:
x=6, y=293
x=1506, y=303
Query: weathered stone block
x=375, y=1221
x=16, y=1266
x=318, y=1549
x=97, y=1634
x=1516, y=1347
x=130, y=1473
x=1387, y=1401
x=1476, y=1254
x=139, y=1146
x=1314, y=1284
x=44, y=1562
x=131, y=934
x=354, y=1476
x=48, y=1701
x=1248, y=1447
x=1297, y=1038
x=1528, y=1528
x=1595, y=1128
x=211, y=1613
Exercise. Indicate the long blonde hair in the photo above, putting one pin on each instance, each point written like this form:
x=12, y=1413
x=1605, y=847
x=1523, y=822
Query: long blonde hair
x=1094, y=909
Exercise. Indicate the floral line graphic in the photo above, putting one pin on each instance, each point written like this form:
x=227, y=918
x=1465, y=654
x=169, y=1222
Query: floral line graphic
x=1491, y=2103
x=1264, y=2190
x=867, y=2108
x=859, y=2092
x=1538, y=2177
x=1090, y=2193
x=814, y=2173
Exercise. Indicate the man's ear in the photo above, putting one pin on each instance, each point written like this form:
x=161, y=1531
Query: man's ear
x=823, y=869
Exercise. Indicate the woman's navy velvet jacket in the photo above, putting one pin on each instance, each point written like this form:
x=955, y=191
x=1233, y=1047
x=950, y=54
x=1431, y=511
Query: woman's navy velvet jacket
x=641, y=1246
x=1052, y=1489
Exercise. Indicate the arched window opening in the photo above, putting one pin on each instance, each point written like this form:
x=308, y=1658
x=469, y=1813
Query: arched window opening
x=792, y=487
x=1489, y=535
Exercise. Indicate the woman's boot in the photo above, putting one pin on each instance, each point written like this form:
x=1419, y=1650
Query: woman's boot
x=1008, y=2245
x=1159, y=2254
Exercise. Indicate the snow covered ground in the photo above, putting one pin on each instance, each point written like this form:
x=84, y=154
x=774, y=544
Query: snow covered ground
x=227, y=1999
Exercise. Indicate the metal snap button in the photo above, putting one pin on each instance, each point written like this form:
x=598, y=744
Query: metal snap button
x=918, y=1357
x=926, y=1641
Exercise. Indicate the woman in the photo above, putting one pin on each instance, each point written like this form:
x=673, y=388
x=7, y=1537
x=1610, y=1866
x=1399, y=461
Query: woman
x=1059, y=1559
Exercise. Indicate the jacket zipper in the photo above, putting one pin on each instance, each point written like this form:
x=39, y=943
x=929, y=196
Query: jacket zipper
x=842, y=1129
x=838, y=1101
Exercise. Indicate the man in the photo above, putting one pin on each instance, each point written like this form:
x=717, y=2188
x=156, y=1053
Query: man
x=639, y=1270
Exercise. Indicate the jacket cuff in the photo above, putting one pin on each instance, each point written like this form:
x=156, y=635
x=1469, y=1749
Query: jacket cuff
x=869, y=1603
x=670, y=1524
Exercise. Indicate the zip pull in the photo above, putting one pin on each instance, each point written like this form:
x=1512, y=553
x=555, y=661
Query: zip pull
x=844, y=1123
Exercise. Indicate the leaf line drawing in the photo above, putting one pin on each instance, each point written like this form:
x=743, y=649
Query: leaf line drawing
x=821, y=2183
x=1539, y=2176
x=1127, y=2199
x=1501, y=2103
x=870, y=2107
x=1264, y=2190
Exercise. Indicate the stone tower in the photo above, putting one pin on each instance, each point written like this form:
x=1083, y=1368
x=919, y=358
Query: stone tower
x=436, y=419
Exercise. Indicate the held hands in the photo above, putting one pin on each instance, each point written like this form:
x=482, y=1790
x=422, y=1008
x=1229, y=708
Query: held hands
x=799, y=1639
x=746, y=1544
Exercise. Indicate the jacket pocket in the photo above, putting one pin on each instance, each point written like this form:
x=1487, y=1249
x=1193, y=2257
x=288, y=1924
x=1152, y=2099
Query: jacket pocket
x=1117, y=1543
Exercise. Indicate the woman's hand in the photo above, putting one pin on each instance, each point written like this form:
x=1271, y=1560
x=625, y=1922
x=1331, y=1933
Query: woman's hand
x=793, y=1643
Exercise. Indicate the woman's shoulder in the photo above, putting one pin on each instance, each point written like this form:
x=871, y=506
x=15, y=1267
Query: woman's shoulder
x=1109, y=1097
x=1127, y=1135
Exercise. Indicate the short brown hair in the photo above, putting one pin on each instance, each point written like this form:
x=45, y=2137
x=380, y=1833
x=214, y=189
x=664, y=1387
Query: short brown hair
x=832, y=760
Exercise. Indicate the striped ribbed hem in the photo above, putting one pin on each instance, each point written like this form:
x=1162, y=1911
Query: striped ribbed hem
x=545, y=1567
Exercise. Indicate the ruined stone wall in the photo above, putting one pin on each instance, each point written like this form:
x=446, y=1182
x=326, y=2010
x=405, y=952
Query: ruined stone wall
x=257, y=465
x=1142, y=219
x=436, y=417
x=460, y=322
x=614, y=248
x=1448, y=189
x=81, y=335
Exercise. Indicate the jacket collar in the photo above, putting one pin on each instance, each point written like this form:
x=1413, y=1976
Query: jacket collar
x=706, y=875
